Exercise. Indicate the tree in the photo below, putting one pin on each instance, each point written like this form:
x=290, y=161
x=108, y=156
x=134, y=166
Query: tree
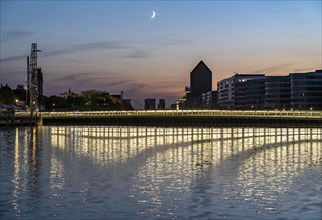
x=56, y=103
x=20, y=93
x=76, y=103
x=6, y=95
x=90, y=100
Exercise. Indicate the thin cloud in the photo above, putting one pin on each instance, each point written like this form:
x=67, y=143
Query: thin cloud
x=303, y=70
x=90, y=75
x=162, y=42
x=138, y=54
x=77, y=48
x=13, y=58
x=13, y=35
x=274, y=68
x=107, y=45
x=166, y=83
x=90, y=46
x=171, y=41
x=93, y=79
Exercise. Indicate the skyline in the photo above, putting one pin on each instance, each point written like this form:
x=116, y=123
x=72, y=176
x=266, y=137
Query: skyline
x=116, y=46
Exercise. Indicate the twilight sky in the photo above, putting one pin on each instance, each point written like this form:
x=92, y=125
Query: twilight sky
x=115, y=46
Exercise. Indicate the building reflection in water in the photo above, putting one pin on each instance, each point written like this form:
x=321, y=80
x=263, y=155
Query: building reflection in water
x=25, y=167
x=167, y=164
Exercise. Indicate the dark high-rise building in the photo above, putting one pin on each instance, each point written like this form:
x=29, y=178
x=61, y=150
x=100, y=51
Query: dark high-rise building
x=40, y=81
x=161, y=105
x=200, y=80
x=278, y=92
x=149, y=104
x=306, y=90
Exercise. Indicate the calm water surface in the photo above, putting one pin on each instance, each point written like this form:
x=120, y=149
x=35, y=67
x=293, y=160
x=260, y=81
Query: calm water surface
x=160, y=173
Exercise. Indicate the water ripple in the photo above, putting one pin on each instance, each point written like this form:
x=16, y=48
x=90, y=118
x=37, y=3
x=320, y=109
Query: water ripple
x=160, y=173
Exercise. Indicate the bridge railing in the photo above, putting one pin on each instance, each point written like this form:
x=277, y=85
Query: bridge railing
x=178, y=113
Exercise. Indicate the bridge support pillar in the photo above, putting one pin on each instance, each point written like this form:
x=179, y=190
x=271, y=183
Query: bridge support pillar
x=39, y=121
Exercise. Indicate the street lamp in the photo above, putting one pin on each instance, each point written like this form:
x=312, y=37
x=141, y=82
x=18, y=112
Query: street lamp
x=26, y=96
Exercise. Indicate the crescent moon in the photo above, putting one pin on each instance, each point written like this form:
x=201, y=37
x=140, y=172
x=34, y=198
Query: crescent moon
x=153, y=15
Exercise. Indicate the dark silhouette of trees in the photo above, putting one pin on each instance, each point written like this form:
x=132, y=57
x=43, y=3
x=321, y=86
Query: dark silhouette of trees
x=6, y=95
x=20, y=93
x=90, y=100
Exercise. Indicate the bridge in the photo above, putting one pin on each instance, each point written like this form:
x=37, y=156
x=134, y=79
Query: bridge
x=171, y=117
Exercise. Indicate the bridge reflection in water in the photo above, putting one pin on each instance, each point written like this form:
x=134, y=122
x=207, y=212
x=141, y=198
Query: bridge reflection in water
x=182, y=172
x=106, y=145
x=269, y=158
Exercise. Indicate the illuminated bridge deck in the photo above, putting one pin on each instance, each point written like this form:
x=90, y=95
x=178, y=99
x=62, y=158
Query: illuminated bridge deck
x=183, y=117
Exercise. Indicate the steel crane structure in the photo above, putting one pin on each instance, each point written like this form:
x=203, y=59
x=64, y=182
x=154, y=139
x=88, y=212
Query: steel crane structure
x=32, y=77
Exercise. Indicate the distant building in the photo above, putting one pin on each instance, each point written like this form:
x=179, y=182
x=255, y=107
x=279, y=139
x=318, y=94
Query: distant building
x=209, y=99
x=278, y=92
x=306, y=90
x=254, y=91
x=149, y=104
x=181, y=103
x=127, y=104
x=40, y=82
x=116, y=97
x=161, y=105
x=64, y=95
x=68, y=94
x=200, y=82
x=173, y=106
x=225, y=93
x=242, y=91
x=93, y=92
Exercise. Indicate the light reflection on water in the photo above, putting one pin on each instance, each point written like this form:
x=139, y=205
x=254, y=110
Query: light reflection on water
x=161, y=173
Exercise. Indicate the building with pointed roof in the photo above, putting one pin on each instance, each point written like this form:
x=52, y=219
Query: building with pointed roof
x=200, y=80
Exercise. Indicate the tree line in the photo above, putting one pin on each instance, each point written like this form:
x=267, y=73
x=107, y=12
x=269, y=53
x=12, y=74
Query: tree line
x=90, y=100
